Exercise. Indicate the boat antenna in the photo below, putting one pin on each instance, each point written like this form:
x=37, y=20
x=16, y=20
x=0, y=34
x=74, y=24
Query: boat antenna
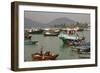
x=41, y=50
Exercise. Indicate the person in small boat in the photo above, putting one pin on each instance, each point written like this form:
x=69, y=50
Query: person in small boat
x=47, y=53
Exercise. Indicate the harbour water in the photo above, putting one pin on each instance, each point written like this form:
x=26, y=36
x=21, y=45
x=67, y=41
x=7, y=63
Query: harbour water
x=54, y=45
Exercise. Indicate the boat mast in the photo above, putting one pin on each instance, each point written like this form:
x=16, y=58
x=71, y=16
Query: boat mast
x=41, y=52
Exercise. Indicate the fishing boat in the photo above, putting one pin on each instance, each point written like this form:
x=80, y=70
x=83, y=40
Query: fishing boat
x=39, y=56
x=33, y=31
x=51, y=32
x=27, y=35
x=83, y=50
x=30, y=42
x=84, y=47
x=70, y=37
x=36, y=31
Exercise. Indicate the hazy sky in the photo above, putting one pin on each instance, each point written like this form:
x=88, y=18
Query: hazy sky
x=46, y=17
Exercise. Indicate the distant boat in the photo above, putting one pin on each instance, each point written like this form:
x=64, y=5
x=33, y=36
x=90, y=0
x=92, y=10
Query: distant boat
x=84, y=47
x=38, y=56
x=36, y=31
x=28, y=37
x=51, y=32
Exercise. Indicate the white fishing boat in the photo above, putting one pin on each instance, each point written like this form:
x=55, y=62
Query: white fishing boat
x=70, y=37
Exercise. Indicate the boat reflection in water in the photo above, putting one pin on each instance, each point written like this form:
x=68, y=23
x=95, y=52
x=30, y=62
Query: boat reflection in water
x=44, y=56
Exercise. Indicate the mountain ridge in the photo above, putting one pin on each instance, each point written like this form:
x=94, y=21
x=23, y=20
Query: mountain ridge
x=28, y=23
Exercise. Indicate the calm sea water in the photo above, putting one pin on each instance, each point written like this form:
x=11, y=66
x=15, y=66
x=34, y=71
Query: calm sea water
x=53, y=44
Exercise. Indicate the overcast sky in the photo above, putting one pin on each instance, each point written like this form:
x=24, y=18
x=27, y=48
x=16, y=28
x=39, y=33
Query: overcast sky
x=46, y=17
